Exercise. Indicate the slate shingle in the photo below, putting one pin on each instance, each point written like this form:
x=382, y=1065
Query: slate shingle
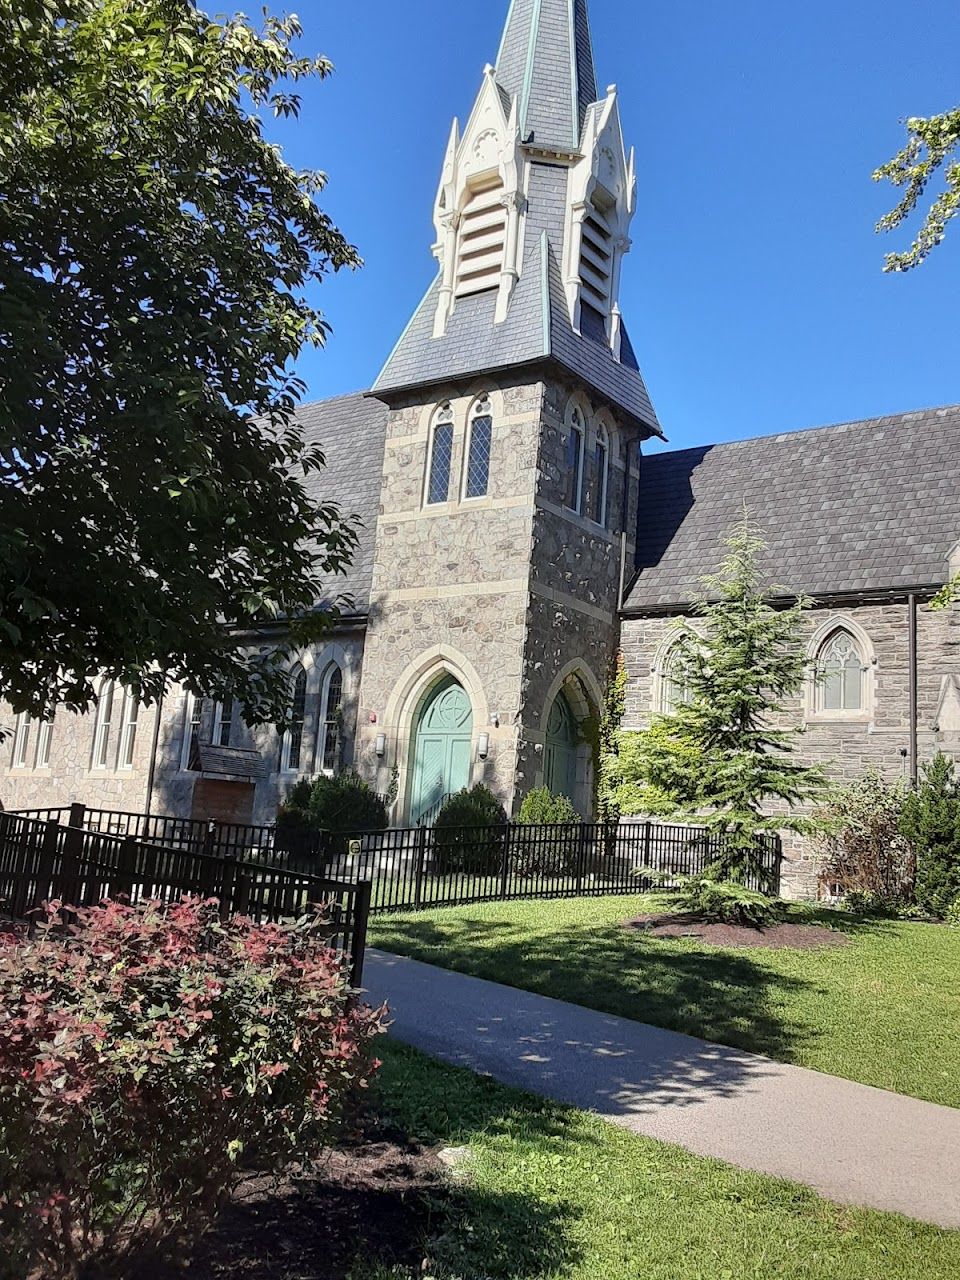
x=863, y=506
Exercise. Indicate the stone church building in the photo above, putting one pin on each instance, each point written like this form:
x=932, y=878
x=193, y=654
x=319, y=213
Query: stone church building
x=516, y=534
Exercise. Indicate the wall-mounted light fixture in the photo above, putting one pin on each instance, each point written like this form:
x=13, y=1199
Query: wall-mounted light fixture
x=381, y=746
x=483, y=746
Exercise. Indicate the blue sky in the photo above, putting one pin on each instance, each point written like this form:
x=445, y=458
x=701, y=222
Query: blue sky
x=754, y=292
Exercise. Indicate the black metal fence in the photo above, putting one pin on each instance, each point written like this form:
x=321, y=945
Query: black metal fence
x=47, y=860
x=424, y=866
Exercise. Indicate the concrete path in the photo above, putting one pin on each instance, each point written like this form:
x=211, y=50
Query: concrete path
x=851, y=1143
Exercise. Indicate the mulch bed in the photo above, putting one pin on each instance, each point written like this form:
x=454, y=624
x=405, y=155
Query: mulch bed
x=776, y=937
x=374, y=1198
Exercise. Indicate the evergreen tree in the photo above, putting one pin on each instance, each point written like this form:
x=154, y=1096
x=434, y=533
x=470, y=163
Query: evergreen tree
x=931, y=822
x=723, y=757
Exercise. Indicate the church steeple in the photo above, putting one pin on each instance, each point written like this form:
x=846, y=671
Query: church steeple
x=546, y=64
x=532, y=217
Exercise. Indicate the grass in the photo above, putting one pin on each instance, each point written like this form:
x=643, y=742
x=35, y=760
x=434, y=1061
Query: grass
x=555, y=1194
x=884, y=1010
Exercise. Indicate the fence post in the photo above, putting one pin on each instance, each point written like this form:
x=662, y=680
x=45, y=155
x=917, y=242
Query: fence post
x=505, y=863
x=72, y=853
x=227, y=881
x=358, y=941
x=420, y=855
x=126, y=866
x=48, y=852
x=210, y=840
x=581, y=857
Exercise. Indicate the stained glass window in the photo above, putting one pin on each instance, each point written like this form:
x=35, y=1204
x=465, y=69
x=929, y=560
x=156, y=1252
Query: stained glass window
x=840, y=674
x=441, y=457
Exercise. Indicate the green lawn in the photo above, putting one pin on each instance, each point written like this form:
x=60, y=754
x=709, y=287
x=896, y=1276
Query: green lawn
x=884, y=1010
x=555, y=1194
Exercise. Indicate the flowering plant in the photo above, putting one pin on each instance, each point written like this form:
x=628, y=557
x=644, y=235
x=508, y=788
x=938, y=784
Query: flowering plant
x=147, y=1054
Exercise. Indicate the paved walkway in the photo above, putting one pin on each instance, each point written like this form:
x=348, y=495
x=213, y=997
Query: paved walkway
x=851, y=1143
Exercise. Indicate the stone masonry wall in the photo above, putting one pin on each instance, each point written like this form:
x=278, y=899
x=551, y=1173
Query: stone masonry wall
x=847, y=744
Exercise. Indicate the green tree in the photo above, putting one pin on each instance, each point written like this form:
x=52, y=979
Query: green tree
x=723, y=757
x=156, y=497
x=608, y=735
x=948, y=596
x=931, y=143
x=931, y=822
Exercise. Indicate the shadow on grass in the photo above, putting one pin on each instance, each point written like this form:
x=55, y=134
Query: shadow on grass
x=730, y=997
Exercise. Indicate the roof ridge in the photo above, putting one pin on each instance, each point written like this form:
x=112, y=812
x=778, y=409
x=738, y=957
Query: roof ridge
x=888, y=419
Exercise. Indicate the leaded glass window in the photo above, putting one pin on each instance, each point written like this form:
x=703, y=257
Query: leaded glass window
x=332, y=703
x=293, y=738
x=840, y=674
x=575, y=434
x=478, y=455
x=441, y=457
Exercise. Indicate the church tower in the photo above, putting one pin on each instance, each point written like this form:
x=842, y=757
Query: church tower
x=516, y=407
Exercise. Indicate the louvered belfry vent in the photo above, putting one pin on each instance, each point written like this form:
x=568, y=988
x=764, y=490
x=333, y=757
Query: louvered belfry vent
x=596, y=259
x=483, y=226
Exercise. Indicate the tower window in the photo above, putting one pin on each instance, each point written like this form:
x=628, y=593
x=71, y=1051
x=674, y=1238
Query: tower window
x=478, y=450
x=575, y=435
x=483, y=225
x=601, y=477
x=441, y=457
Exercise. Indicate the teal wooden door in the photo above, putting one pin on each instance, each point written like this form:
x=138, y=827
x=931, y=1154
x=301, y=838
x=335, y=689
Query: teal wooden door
x=442, y=746
x=560, y=751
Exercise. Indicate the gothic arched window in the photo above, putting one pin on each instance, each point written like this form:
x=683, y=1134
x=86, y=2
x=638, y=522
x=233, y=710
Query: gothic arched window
x=575, y=436
x=440, y=457
x=192, y=720
x=672, y=689
x=331, y=702
x=21, y=739
x=840, y=674
x=601, y=476
x=292, y=746
x=223, y=722
x=44, y=737
x=479, y=445
x=128, y=728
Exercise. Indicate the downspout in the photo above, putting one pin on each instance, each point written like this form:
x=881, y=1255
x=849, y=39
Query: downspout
x=912, y=660
x=153, y=757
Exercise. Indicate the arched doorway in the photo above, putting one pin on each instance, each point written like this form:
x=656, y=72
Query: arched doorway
x=560, y=752
x=443, y=738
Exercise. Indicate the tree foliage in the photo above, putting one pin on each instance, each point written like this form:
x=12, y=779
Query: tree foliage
x=931, y=143
x=866, y=858
x=723, y=757
x=156, y=248
x=608, y=734
x=931, y=823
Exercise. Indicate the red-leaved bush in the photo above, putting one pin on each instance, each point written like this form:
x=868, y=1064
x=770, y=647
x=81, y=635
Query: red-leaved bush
x=147, y=1055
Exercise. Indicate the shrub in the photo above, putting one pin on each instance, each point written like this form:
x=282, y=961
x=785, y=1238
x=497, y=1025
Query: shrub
x=952, y=915
x=931, y=822
x=339, y=806
x=551, y=852
x=726, y=902
x=541, y=808
x=146, y=1054
x=863, y=849
x=469, y=832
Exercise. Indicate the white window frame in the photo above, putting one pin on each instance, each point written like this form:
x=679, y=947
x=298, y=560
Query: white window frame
x=324, y=718
x=443, y=416
x=103, y=723
x=192, y=720
x=481, y=408
x=21, y=741
x=44, y=737
x=130, y=717
x=219, y=721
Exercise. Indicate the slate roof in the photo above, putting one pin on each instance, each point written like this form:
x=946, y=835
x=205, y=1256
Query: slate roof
x=860, y=507
x=546, y=60
x=537, y=326
x=351, y=430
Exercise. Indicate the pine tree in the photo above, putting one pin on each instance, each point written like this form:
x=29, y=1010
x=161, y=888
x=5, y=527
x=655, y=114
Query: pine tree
x=723, y=757
x=931, y=822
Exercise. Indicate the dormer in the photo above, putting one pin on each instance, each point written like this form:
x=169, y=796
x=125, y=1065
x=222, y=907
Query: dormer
x=479, y=207
x=601, y=201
